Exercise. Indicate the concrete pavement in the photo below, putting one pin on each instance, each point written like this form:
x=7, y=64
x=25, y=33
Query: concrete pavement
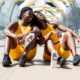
x=37, y=70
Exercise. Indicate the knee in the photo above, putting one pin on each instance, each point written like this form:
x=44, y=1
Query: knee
x=68, y=34
x=10, y=39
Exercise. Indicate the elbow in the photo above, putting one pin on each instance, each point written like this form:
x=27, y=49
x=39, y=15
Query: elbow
x=5, y=32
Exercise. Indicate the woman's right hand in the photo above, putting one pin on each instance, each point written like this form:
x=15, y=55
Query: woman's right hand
x=54, y=32
x=20, y=38
x=17, y=38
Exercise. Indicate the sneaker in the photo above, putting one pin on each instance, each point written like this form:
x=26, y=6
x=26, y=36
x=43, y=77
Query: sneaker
x=22, y=60
x=58, y=60
x=6, y=60
x=76, y=60
x=62, y=62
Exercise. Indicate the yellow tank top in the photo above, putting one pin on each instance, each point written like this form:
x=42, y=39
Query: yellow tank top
x=54, y=37
x=22, y=29
x=61, y=52
x=19, y=50
x=49, y=28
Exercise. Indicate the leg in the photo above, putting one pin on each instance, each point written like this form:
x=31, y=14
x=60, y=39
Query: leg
x=9, y=44
x=68, y=43
x=50, y=46
x=31, y=44
x=52, y=50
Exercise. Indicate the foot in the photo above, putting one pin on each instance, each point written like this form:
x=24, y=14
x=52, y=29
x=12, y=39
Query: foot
x=76, y=60
x=22, y=61
x=6, y=61
x=62, y=62
x=58, y=60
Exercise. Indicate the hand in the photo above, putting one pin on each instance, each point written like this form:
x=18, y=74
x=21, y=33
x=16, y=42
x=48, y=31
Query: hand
x=20, y=38
x=56, y=33
x=37, y=33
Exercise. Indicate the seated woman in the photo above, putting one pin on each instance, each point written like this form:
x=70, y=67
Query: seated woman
x=15, y=34
x=53, y=44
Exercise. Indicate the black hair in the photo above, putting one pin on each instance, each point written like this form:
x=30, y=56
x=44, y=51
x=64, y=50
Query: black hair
x=24, y=9
x=45, y=20
x=35, y=21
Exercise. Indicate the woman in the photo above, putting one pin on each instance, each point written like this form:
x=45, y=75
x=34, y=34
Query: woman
x=53, y=44
x=16, y=33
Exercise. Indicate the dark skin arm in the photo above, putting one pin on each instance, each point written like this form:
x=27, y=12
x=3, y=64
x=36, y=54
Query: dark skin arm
x=40, y=39
x=46, y=37
x=11, y=29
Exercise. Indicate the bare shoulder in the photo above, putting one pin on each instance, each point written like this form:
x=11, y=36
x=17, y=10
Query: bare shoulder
x=12, y=26
x=35, y=28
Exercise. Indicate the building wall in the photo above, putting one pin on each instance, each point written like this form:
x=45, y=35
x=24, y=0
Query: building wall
x=72, y=18
x=9, y=11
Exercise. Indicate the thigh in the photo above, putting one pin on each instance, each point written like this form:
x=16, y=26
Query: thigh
x=31, y=44
x=13, y=43
x=46, y=54
x=63, y=41
x=64, y=53
x=48, y=48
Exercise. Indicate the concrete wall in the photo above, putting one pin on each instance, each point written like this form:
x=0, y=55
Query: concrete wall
x=72, y=18
x=9, y=11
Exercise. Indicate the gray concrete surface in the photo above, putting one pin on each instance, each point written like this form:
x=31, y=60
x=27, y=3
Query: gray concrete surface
x=37, y=70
